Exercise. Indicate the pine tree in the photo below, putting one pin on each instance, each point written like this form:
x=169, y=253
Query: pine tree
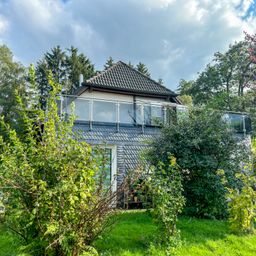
x=130, y=65
x=109, y=63
x=77, y=64
x=65, y=66
x=143, y=69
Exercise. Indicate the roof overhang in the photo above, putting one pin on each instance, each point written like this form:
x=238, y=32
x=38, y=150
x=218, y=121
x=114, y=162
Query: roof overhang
x=95, y=87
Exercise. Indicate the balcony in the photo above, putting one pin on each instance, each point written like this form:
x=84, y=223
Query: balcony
x=120, y=113
x=138, y=113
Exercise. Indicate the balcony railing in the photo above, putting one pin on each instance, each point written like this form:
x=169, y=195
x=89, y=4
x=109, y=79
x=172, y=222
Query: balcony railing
x=140, y=113
x=94, y=110
x=239, y=122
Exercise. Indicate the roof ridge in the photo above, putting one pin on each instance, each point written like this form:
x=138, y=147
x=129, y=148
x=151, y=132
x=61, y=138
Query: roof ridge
x=149, y=78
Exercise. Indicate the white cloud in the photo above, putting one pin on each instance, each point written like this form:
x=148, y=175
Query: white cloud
x=175, y=39
x=3, y=25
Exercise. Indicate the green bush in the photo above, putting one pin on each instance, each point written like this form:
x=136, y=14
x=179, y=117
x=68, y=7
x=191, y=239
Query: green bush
x=242, y=202
x=50, y=182
x=165, y=187
x=202, y=144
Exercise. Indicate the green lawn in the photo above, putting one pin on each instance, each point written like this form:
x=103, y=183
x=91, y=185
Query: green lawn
x=8, y=243
x=134, y=231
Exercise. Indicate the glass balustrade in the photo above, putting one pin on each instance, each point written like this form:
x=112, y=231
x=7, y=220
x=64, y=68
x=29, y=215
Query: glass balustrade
x=139, y=113
x=126, y=113
x=240, y=123
x=106, y=111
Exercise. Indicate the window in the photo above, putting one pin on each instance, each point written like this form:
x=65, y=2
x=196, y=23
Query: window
x=106, y=166
x=104, y=111
x=108, y=159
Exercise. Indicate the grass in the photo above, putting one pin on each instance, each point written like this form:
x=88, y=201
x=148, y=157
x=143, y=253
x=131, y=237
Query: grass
x=9, y=243
x=135, y=230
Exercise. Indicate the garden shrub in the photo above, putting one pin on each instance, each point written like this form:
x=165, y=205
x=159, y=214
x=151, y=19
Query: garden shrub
x=202, y=144
x=242, y=199
x=242, y=203
x=165, y=187
x=50, y=181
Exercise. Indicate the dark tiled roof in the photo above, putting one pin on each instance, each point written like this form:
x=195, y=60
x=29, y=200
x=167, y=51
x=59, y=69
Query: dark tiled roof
x=124, y=78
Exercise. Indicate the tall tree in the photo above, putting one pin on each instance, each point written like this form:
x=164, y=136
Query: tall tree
x=130, y=65
x=143, y=69
x=12, y=80
x=225, y=82
x=77, y=64
x=109, y=63
x=184, y=87
x=54, y=62
x=65, y=66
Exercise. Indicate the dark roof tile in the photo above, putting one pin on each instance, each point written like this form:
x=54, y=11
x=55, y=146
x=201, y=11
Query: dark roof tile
x=122, y=77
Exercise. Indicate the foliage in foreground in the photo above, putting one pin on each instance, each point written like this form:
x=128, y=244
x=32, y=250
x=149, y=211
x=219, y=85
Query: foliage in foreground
x=242, y=205
x=52, y=193
x=242, y=200
x=165, y=188
x=202, y=145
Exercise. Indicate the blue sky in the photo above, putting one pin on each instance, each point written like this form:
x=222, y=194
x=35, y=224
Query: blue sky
x=174, y=38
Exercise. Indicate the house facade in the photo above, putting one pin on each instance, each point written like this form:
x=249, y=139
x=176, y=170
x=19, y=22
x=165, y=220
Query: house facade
x=120, y=109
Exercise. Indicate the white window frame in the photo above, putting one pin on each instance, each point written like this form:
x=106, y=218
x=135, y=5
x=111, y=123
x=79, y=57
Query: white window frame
x=113, y=165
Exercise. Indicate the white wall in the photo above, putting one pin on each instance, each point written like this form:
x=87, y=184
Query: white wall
x=155, y=101
x=107, y=96
x=123, y=97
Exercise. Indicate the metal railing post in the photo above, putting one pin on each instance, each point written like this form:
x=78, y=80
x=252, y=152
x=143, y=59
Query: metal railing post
x=142, y=116
x=90, y=113
x=244, y=129
x=165, y=118
x=117, y=116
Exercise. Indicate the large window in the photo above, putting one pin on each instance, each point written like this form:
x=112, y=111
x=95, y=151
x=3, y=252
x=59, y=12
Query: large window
x=104, y=111
x=106, y=175
x=105, y=170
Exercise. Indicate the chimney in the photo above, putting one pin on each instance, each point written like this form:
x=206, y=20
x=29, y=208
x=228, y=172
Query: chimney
x=81, y=79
